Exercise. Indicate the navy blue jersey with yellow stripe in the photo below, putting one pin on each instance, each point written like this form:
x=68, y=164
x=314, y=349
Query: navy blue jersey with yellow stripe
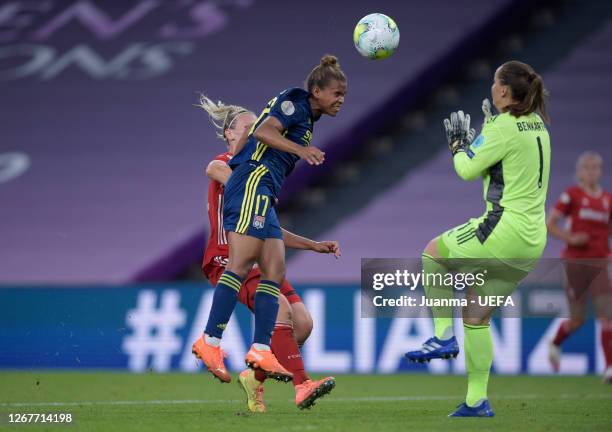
x=292, y=109
x=248, y=203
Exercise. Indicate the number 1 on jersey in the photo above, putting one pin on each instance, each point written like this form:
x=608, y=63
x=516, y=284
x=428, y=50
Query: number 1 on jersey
x=541, y=162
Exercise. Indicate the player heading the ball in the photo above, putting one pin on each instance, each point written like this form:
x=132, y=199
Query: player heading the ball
x=266, y=155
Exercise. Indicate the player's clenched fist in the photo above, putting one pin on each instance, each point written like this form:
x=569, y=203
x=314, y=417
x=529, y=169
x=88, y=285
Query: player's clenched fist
x=312, y=155
x=332, y=247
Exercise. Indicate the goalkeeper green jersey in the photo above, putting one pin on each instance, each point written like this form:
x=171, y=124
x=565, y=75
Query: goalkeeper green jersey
x=512, y=155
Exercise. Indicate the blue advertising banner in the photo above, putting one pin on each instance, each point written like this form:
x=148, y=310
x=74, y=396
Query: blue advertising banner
x=152, y=327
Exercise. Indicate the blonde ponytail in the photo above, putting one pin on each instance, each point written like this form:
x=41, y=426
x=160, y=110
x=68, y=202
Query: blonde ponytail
x=222, y=116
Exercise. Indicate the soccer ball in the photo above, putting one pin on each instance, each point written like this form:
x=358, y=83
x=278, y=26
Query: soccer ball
x=376, y=36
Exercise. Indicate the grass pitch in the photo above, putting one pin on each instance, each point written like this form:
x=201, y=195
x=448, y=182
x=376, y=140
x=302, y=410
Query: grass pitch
x=101, y=401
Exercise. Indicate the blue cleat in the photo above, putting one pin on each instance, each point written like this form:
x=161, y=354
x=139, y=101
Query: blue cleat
x=482, y=410
x=435, y=348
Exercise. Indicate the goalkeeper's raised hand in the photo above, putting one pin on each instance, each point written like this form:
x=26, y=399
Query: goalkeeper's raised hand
x=458, y=133
x=486, y=109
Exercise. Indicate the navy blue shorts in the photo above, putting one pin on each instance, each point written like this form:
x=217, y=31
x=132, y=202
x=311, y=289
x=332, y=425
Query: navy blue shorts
x=248, y=203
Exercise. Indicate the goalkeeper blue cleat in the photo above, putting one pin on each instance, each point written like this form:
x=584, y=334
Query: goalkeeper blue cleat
x=435, y=348
x=482, y=410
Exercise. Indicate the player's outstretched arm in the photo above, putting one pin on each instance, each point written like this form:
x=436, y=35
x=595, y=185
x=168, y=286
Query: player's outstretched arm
x=218, y=171
x=270, y=132
x=295, y=241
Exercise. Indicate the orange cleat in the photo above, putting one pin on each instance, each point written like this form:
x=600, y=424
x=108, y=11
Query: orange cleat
x=253, y=390
x=309, y=391
x=265, y=360
x=213, y=359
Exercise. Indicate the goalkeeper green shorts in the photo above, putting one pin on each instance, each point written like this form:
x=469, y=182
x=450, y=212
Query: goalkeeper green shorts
x=462, y=251
x=461, y=243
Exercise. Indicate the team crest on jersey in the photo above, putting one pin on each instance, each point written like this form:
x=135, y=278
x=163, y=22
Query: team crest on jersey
x=259, y=222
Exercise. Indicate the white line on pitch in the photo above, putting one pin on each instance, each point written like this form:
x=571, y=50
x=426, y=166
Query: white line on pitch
x=327, y=400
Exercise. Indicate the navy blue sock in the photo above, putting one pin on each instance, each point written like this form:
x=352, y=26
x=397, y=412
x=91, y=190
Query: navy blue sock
x=224, y=302
x=266, y=308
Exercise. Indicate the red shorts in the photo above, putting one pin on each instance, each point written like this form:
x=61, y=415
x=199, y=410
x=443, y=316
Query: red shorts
x=246, y=295
x=587, y=277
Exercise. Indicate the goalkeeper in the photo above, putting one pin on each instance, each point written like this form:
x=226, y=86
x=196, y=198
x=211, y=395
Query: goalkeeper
x=512, y=155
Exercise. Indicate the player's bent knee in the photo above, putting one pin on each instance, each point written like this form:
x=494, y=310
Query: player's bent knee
x=273, y=271
x=240, y=266
x=302, y=322
x=304, y=333
x=242, y=269
x=275, y=274
x=432, y=249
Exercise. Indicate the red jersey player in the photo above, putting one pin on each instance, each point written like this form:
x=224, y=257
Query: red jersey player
x=588, y=209
x=293, y=323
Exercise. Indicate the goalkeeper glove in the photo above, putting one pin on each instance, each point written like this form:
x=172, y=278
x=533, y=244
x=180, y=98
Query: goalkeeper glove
x=458, y=133
x=486, y=110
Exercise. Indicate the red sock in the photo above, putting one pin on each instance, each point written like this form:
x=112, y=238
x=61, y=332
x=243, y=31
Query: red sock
x=285, y=348
x=562, y=333
x=606, y=341
x=260, y=375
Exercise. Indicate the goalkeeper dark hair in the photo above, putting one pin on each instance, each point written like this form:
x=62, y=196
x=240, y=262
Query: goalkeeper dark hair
x=527, y=87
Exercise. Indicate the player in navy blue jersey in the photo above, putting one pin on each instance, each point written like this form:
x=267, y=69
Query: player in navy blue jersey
x=279, y=138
